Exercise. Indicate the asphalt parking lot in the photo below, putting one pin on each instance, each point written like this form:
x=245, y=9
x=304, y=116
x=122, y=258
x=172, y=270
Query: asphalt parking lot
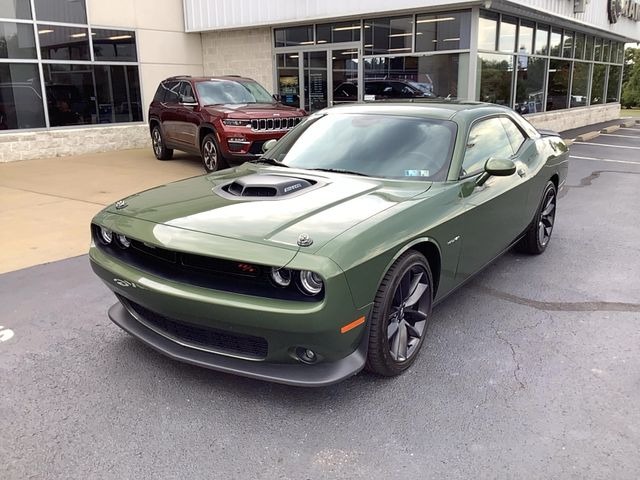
x=530, y=371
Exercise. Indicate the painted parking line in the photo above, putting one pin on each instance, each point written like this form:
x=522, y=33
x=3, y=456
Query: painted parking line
x=621, y=136
x=630, y=128
x=605, y=160
x=5, y=334
x=606, y=145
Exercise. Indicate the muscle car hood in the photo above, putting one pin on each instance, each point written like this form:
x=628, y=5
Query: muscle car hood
x=336, y=203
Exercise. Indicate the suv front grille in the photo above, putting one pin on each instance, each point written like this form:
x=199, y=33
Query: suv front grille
x=200, y=337
x=274, y=123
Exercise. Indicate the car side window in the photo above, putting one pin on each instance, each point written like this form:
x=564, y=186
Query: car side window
x=159, y=96
x=171, y=92
x=487, y=139
x=186, y=91
x=513, y=132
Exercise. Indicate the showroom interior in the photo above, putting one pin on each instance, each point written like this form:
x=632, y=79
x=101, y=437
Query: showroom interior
x=77, y=77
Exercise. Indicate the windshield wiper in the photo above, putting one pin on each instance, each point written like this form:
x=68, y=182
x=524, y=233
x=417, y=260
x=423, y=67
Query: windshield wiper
x=339, y=170
x=269, y=161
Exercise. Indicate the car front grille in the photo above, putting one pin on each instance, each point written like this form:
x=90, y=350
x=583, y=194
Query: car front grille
x=260, y=124
x=196, y=336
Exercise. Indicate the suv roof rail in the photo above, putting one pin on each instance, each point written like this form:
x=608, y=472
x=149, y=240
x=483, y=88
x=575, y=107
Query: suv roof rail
x=236, y=76
x=179, y=76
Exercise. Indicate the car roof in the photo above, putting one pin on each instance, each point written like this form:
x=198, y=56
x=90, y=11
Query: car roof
x=208, y=79
x=445, y=110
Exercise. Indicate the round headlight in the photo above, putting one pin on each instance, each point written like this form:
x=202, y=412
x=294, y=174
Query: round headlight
x=310, y=282
x=123, y=241
x=106, y=235
x=281, y=276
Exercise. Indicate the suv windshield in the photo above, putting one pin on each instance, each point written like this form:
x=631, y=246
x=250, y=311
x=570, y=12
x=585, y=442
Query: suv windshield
x=229, y=91
x=389, y=146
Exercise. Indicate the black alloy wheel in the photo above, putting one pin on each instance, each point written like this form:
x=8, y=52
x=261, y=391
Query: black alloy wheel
x=537, y=237
x=400, y=317
x=159, y=148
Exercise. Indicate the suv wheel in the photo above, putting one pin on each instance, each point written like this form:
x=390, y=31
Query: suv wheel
x=160, y=150
x=211, y=157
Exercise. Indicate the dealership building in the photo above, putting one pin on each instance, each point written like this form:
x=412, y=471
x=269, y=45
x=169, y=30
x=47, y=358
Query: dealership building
x=77, y=76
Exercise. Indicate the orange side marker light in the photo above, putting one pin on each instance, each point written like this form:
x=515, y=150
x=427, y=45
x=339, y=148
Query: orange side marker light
x=352, y=325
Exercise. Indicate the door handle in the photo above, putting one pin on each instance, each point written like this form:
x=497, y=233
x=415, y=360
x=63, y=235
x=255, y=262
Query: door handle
x=522, y=172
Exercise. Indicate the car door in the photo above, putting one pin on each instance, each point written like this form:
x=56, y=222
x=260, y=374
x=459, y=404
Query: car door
x=493, y=212
x=187, y=119
x=169, y=112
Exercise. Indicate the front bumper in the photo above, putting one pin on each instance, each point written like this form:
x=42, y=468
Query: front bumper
x=249, y=144
x=298, y=374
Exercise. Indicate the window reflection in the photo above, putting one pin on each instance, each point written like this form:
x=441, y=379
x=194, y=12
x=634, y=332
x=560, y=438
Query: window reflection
x=114, y=45
x=507, y=42
x=613, y=86
x=542, y=40
x=443, y=31
x=20, y=9
x=525, y=37
x=20, y=96
x=555, y=42
x=588, y=48
x=579, y=52
x=597, y=83
x=294, y=36
x=388, y=35
x=530, y=84
x=16, y=40
x=68, y=11
x=567, y=42
x=63, y=43
x=495, y=78
x=580, y=84
x=558, y=84
x=487, y=30
x=338, y=32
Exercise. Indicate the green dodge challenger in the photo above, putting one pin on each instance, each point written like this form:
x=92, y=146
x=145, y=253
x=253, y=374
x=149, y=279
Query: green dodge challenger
x=327, y=254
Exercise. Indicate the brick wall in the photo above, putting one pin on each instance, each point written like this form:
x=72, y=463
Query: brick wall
x=240, y=52
x=73, y=141
x=575, y=117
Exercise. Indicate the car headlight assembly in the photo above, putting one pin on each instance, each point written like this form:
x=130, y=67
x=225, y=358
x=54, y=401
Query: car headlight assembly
x=236, y=123
x=310, y=282
x=106, y=235
x=281, y=277
x=123, y=241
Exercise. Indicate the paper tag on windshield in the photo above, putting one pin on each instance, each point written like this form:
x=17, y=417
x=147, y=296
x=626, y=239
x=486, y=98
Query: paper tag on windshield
x=416, y=173
x=369, y=98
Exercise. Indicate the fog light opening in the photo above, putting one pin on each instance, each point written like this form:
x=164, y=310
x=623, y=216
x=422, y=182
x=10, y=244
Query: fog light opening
x=306, y=355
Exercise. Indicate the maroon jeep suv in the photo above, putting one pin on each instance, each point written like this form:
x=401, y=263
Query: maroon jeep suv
x=225, y=120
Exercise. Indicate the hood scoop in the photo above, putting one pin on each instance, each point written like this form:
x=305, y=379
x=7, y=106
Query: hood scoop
x=266, y=186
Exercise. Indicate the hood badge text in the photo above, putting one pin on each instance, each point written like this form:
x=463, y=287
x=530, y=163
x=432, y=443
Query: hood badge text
x=304, y=240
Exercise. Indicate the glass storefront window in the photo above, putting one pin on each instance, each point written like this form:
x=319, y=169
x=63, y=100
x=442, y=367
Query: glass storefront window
x=525, y=37
x=530, y=84
x=288, y=79
x=579, y=52
x=294, y=36
x=443, y=31
x=555, y=42
x=16, y=40
x=579, y=84
x=614, y=52
x=315, y=81
x=605, y=51
x=20, y=9
x=507, y=37
x=117, y=88
x=488, y=31
x=597, y=83
x=20, y=96
x=114, y=45
x=344, y=66
x=588, y=48
x=430, y=76
x=558, y=84
x=73, y=11
x=567, y=44
x=495, y=76
x=388, y=35
x=613, y=85
x=542, y=40
x=338, y=32
x=63, y=43
x=620, y=53
x=597, y=51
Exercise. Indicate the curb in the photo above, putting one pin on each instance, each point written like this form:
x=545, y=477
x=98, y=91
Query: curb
x=588, y=136
x=629, y=123
x=610, y=129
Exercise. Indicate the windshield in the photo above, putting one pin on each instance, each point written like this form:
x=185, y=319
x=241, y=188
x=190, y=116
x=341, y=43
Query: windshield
x=229, y=91
x=387, y=146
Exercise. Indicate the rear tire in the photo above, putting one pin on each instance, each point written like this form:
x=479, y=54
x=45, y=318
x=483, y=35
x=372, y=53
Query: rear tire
x=160, y=150
x=400, y=316
x=538, y=234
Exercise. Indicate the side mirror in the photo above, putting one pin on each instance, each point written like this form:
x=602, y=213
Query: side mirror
x=268, y=145
x=277, y=97
x=188, y=101
x=496, y=167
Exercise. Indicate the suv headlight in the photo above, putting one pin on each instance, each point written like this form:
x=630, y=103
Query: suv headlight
x=236, y=123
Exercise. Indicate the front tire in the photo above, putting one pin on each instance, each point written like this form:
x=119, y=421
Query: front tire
x=537, y=237
x=160, y=150
x=211, y=157
x=400, y=316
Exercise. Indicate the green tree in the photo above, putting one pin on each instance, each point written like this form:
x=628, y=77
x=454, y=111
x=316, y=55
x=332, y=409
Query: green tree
x=631, y=78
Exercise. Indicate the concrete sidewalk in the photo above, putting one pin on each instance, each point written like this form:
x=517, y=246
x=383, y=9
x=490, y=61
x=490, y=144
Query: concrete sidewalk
x=47, y=204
